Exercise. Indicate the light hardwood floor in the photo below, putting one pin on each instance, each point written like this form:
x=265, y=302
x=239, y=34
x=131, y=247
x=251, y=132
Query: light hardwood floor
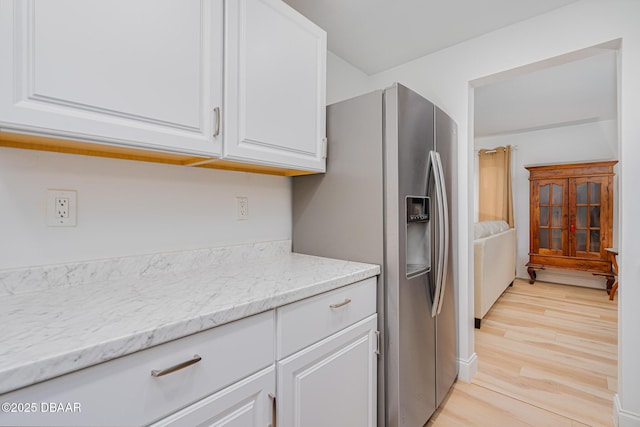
x=547, y=356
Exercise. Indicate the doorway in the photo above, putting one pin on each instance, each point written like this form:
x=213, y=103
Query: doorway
x=560, y=111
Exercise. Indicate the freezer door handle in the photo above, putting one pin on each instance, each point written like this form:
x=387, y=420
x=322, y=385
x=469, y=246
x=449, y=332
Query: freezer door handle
x=442, y=229
x=433, y=174
x=444, y=203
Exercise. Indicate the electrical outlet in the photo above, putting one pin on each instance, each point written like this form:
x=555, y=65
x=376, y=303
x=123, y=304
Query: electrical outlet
x=242, y=207
x=61, y=208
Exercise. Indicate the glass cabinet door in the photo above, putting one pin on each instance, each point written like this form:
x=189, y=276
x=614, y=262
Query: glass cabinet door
x=585, y=219
x=552, y=216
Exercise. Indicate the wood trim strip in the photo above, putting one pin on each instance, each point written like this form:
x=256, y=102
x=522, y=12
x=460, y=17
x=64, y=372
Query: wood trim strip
x=57, y=145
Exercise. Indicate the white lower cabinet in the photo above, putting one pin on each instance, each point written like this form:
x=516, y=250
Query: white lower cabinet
x=326, y=348
x=124, y=392
x=248, y=403
x=309, y=363
x=333, y=382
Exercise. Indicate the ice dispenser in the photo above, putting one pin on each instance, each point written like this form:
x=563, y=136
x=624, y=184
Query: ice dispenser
x=418, y=254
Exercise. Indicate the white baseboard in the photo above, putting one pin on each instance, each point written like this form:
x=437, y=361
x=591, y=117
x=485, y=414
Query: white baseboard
x=467, y=368
x=622, y=418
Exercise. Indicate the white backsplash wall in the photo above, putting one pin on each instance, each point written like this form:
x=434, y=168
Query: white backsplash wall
x=569, y=144
x=129, y=208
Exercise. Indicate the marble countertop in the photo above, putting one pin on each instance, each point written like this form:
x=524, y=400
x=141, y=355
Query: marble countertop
x=58, y=329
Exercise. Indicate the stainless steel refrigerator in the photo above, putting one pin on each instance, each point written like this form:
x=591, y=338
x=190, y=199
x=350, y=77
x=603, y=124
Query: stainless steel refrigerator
x=386, y=199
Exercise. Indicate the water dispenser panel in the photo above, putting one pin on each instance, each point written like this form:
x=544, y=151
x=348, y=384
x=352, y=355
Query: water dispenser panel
x=417, y=209
x=418, y=237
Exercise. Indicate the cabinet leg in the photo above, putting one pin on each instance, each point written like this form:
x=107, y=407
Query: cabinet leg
x=610, y=281
x=614, y=288
x=532, y=275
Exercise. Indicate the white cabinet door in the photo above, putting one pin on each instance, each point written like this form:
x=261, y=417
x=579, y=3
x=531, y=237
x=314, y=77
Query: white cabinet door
x=275, y=62
x=247, y=403
x=144, y=73
x=331, y=383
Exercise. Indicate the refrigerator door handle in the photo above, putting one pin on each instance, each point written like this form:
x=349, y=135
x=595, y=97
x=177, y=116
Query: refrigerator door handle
x=435, y=172
x=444, y=203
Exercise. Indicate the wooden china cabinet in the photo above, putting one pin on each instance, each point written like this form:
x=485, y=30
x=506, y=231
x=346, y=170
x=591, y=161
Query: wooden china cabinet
x=571, y=218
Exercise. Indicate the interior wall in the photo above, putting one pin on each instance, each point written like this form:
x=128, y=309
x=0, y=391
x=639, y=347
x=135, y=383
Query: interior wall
x=344, y=81
x=127, y=208
x=445, y=77
x=568, y=144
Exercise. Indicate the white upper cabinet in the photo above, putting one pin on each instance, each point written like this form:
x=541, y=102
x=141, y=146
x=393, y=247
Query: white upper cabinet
x=143, y=73
x=242, y=80
x=275, y=62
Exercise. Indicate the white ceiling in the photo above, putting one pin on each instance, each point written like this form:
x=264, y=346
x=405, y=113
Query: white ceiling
x=375, y=35
x=579, y=91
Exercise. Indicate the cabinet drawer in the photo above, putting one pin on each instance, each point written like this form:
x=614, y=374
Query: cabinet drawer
x=123, y=391
x=308, y=321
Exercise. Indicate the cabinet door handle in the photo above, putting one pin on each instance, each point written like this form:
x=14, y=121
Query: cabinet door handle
x=161, y=372
x=216, y=132
x=342, y=304
x=274, y=419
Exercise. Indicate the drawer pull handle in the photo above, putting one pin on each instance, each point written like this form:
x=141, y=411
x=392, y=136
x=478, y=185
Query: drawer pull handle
x=342, y=304
x=161, y=372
